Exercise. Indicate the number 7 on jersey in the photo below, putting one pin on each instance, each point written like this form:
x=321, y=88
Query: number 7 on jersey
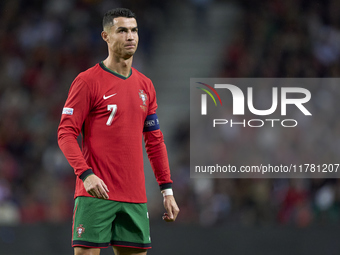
x=113, y=109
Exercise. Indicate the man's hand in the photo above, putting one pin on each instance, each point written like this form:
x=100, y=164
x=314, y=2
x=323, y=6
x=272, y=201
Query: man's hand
x=171, y=208
x=96, y=187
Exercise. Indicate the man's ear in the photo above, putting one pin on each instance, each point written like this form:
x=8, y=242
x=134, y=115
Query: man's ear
x=105, y=36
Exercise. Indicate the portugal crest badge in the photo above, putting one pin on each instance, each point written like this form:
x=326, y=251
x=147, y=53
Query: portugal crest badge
x=80, y=230
x=143, y=96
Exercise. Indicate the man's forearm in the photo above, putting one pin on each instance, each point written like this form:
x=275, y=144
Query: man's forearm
x=69, y=146
x=158, y=156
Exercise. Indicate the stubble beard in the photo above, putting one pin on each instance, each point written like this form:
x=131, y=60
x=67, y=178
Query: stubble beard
x=125, y=54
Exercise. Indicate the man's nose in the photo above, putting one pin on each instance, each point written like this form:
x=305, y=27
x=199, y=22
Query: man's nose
x=130, y=36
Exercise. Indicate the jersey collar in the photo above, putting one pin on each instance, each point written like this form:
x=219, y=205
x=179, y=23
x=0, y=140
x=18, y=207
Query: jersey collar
x=101, y=64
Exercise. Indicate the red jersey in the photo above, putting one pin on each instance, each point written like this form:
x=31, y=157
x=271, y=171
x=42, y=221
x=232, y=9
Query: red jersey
x=111, y=111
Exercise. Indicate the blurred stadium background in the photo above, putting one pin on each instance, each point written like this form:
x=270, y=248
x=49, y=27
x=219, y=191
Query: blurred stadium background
x=45, y=44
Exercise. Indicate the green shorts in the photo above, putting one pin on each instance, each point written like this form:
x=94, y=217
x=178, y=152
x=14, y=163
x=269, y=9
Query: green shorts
x=98, y=223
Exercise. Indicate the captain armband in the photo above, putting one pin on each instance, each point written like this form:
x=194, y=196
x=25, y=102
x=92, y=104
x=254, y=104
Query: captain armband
x=151, y=123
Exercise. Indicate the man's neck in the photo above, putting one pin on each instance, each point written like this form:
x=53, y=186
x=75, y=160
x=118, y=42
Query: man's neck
x=119, y=65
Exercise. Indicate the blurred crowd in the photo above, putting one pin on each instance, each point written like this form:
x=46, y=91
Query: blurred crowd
x=294, y=38
x=285, y=39
x=45, y=44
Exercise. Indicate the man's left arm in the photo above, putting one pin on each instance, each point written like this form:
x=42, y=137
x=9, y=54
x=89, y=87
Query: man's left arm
x=158, y=156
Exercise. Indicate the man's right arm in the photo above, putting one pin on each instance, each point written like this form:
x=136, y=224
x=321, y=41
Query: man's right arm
x=74, y=113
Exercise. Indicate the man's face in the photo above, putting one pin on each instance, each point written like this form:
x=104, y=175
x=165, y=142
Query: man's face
x=122, y=37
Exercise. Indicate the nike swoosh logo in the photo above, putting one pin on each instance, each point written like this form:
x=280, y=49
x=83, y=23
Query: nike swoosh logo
x=109, y=96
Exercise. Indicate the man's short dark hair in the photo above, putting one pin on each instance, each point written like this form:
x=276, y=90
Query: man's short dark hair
x=115, y=13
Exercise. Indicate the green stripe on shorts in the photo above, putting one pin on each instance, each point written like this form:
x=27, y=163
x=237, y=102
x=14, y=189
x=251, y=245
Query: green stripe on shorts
x=98, y=223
